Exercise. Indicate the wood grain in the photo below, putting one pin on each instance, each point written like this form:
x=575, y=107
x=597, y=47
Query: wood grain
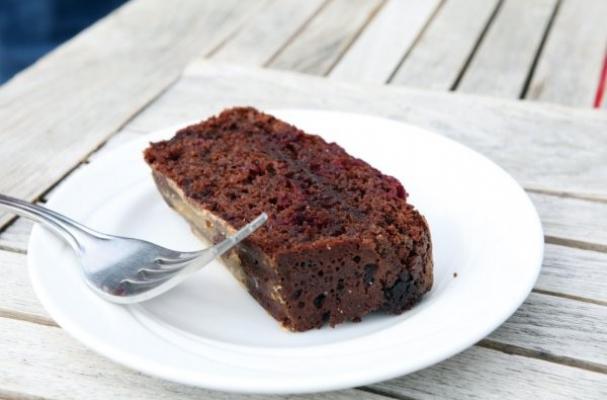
x=436, y=60
x=573, y=272
x=480, y=373
x=377, y=52
x=573, y=222
x=569, y=69
x=531, y=141
x=320, y=44
x=113, y=142
x=16, y=235
x=559, y=327
x=501, y=65
x=44, y=361
x=18, y=299
x=46, y=132
x=267, y=31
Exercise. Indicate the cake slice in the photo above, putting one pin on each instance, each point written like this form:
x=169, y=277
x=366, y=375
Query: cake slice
x=341, y=240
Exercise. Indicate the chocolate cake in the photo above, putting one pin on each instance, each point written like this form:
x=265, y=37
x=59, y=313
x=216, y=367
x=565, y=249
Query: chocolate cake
x=341, y=240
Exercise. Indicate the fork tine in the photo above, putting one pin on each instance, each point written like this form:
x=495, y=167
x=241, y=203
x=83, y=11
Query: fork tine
x=168, y=264
x=146, y=281
x=159, y=270
x=168, y=270
x=239, y=236
x=172, y=264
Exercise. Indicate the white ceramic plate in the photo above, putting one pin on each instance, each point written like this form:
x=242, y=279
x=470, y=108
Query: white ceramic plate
x=209, y=332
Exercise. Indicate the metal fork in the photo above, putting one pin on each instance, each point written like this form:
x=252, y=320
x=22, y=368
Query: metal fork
x=125, y=270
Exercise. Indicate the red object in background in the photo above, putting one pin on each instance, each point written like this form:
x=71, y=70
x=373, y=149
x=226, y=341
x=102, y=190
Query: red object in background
x=600, y=90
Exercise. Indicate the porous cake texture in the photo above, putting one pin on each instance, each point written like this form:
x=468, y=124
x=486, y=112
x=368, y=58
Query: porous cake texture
x=341, y=240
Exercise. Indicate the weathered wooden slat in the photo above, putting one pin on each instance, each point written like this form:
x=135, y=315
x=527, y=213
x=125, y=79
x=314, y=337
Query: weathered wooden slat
x=265, y=34
x=440, y=54
x=377, y=52
x=480, y=373
x=114, y=141
x=29, y=367
x=16, y=235
x=44, y=361
x=62, y=107
x=574, y=272
x=18, y=299
x=504, y=58
x=532, y=141
x=569, y=68
x=558, y=327
x=316, y=49
x=575, y=222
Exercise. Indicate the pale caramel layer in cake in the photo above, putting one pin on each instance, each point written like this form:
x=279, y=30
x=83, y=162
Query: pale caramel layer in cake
x=211, y=228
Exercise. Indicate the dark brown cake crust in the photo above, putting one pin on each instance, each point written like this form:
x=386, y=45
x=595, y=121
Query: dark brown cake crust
x=341, y=239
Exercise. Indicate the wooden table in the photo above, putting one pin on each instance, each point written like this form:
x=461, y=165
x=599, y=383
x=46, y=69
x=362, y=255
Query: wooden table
x=154, y=63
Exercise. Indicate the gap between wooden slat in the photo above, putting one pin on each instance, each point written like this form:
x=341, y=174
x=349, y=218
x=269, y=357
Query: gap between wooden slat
x=323, y=40
x=380, y=392
x=12, y=249
x=567, y=195
x=236, y=31
x=570, y=66
x=540, y=50
x=86, y=159
x=379, y=48
x=27, y=317
x=476, y=46
x=520, y=351
x=501, y=63
x=8, y=223
x=356, y=36
x=296, y=34
x=416, y=41
x=570, y=297
x=9, y=395
x=441, y=51
x=266, y=32
x=577, y=244
x=73, y=169
x=501, y=376
x=486, y=343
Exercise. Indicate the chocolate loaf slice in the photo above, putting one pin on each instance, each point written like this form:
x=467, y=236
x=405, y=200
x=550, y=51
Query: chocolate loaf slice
x=341, y=239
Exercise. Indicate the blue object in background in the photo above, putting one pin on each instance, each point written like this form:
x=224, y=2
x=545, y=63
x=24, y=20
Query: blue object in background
x=31, y=28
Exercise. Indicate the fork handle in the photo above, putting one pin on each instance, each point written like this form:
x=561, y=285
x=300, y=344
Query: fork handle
x=69, y=230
